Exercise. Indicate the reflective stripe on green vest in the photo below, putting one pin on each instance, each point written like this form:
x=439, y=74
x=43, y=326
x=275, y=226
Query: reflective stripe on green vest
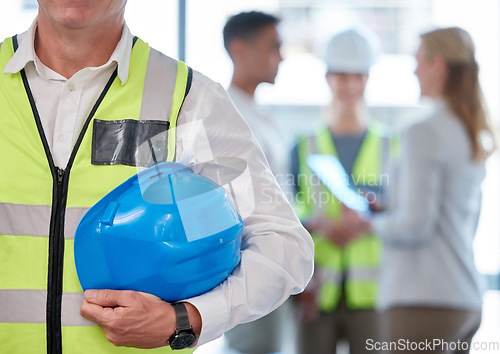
x=41, y=205
x=358, y=261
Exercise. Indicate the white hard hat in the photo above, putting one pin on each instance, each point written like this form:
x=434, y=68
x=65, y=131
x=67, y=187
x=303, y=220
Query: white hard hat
x=351, y=51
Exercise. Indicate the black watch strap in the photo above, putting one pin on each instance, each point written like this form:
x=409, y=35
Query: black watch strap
x=181, y=317
x=184, y=335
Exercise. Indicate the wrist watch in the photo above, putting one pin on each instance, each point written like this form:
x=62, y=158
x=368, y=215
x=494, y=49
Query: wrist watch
x=183, y=336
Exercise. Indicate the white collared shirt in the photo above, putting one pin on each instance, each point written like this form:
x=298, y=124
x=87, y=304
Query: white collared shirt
x=64, y=104
x=276, y=251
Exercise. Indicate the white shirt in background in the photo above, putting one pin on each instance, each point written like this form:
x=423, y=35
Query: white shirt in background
x=267, y=133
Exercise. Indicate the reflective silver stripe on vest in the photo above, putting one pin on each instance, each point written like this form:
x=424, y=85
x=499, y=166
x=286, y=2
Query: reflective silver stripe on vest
x=28, y=220
x=317, y=184
x=385, y=164
x=71, y=304
x=355, y=274
x=28, y=306
x=157, y=94
x=33, y=220
x=73, y=217
x=329, y=276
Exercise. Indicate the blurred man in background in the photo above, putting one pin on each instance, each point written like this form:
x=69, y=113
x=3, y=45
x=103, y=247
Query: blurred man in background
x=253, y=44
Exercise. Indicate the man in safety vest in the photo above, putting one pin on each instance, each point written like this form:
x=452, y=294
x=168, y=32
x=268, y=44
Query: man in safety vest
x=83, y=106
x=339, y=303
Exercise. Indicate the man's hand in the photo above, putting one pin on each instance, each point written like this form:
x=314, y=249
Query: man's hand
x=134, y=319
x=338, y=232
x=357, y=225
x=341, y=232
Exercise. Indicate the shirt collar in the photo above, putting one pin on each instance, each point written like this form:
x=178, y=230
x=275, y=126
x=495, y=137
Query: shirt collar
x=25, y=53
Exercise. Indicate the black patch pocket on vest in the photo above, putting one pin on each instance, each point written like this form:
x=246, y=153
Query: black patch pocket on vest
x=129, y=142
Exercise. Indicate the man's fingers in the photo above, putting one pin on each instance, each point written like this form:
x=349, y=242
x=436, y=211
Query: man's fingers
x=94, y=313
x=108, y=298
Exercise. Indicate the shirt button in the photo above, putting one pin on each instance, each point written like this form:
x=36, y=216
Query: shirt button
x=71, y=86
x=61, y=138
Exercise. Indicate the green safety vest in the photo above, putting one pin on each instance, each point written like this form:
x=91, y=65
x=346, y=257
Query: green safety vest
x=357, y=263
x=41, y=204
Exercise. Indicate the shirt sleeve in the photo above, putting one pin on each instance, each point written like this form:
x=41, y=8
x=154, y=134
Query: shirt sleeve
x=276, y=251
x=412, y=221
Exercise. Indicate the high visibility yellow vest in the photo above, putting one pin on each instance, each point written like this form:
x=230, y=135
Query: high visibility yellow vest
x=41, y=204
x=358, y=263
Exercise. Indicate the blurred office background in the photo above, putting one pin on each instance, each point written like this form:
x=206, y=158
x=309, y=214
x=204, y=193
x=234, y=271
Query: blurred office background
x=191, y=30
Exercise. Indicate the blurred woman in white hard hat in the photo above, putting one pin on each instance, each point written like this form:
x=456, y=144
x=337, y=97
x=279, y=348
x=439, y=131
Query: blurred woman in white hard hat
x=430, y=287
x=339, y=303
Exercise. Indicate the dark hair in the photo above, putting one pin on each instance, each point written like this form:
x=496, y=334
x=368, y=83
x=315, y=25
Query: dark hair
x=246, y=24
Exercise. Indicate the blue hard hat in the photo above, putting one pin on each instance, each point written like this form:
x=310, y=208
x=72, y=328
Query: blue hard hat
x=166, y=231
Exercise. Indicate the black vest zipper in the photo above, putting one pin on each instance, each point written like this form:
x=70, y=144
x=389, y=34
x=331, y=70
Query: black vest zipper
x=56, y=260
x=56, y=232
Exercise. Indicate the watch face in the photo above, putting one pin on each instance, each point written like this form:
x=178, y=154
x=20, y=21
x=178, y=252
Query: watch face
x=182, y=340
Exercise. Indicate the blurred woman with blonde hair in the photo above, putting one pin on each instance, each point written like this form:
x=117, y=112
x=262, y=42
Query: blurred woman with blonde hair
x=430, y=289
